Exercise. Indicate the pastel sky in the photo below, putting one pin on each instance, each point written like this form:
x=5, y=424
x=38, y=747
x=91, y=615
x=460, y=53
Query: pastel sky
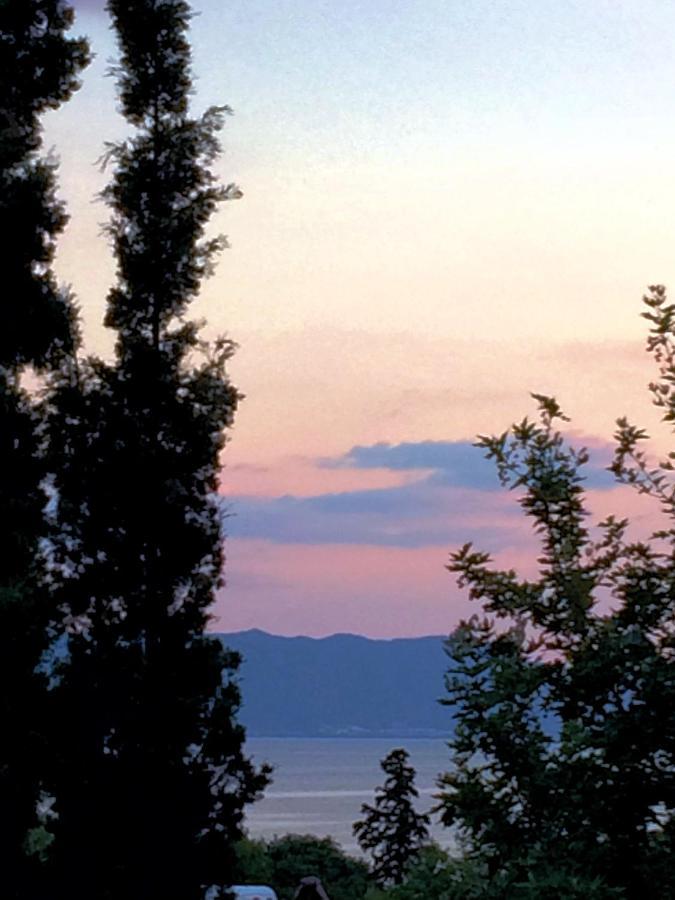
x=446, y=205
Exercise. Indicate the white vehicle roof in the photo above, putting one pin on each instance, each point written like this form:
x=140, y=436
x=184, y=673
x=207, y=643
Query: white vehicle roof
x=253, y=892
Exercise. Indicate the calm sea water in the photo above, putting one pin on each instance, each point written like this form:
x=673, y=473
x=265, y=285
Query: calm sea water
x=320, y=783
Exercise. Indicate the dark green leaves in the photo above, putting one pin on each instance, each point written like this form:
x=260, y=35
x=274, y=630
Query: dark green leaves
x=563, y=778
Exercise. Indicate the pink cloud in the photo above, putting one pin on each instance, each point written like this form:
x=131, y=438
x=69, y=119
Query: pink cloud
x=302, y=477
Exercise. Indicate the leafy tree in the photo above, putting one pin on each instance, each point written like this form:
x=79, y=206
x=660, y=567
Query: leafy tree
x=39, y=69
x=392, y=831
x=283, y=861
x=434, y=873
x=295, y=856
x=150, y=771
x=253, y=863
x=563, y=778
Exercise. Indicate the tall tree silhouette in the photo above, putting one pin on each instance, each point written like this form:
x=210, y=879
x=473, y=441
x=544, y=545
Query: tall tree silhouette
x=152, y=774
x=39, y=68
x=392, y=831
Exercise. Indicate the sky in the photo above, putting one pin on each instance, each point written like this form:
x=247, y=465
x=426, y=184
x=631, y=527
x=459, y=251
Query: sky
x=447, y=205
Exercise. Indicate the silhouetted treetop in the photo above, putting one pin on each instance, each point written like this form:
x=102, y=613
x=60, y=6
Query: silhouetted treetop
x=39, y=69
x=153, y=75
x=391, y=829
x=161, y=767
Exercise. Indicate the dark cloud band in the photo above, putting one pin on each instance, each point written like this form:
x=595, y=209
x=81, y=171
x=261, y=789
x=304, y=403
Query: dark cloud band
x=457, y=498
x=453, y=463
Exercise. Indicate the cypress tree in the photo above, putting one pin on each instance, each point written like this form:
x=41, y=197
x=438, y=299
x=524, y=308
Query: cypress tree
x=392, y=831
x=39, y=69
x=152, y=774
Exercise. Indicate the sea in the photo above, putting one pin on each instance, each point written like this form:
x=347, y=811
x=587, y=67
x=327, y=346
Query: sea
x=319, y=784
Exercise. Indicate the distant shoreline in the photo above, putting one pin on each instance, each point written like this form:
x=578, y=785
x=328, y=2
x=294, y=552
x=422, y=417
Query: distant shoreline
x=343, y=686
x=349, y=737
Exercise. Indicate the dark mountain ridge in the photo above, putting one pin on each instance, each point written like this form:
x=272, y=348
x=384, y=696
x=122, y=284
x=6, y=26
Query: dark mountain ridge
x=342, y=685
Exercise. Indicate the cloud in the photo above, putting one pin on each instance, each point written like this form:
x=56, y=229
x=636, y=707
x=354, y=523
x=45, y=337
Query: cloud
x=456, y=463
x=457, y=498
x=460, y=462
x=413, y=515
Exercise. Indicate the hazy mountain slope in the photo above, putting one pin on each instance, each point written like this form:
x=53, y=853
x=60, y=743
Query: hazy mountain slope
x=341, y=685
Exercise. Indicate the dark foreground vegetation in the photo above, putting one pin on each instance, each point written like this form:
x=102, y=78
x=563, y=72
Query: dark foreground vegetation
x=122, y=764
x=282, y=862
x=122, y=769
x=433, y=874
x=563, y=777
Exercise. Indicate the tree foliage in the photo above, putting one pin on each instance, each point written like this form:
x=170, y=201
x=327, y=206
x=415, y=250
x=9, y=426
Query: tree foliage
x=435, y=873
x=39, y=70
x=150, y=772
x=563, y=778
x=391, y=830
x=282, y=862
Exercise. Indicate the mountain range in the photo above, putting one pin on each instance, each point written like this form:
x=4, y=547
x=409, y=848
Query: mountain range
x=342, y=685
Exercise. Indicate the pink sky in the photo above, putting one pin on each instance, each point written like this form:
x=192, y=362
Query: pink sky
x=444, y=209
